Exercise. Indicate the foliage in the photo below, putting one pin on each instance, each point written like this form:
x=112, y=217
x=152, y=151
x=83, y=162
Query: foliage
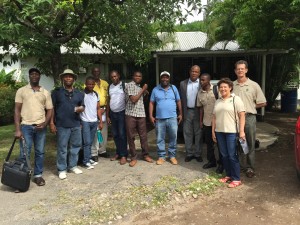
x=8, y=87
x=194, y=26
x=272, y=24
x=38, y=28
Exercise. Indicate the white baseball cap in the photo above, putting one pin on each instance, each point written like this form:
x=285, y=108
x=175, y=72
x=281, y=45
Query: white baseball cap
x=165, y=73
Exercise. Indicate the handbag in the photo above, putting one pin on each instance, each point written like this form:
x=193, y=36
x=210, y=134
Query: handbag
x=17, y=173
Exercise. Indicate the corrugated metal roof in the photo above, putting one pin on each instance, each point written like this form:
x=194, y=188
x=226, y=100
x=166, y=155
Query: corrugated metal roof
x=182, y=41
x=225, y=45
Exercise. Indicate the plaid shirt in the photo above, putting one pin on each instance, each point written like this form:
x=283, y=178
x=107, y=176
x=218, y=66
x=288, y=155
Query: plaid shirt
x=134, y=109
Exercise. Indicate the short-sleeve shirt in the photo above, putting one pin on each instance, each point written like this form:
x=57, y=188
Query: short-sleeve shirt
x=165, y=101
x=134, y=109
x=206, y=99
x=250, y=93
x=225, y=115
x=102, y=91
x=90, y=111
x=117, y=97
x=64, y=103
x=34, y=104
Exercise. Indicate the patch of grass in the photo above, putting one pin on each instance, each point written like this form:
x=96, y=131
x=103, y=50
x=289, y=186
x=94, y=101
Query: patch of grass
x=163, y=192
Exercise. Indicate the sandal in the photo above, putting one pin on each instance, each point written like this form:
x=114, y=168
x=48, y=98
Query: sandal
x=225, y=179
x=234, y=183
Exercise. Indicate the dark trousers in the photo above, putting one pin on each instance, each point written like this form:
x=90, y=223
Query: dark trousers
x=136, y=125
x=210, y=145
x=119, y=132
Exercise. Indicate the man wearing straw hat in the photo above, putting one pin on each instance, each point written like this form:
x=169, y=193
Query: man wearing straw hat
x=68, y=103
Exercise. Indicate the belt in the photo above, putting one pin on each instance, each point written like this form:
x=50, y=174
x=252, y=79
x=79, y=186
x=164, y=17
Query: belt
x=250, y=114
x=102, y=107
x=190, y=108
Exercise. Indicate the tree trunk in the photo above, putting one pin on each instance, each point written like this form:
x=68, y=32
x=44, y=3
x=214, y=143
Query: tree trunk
x=56, y=66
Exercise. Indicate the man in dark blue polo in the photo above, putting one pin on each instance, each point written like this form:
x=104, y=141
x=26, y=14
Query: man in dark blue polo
x=68, y=103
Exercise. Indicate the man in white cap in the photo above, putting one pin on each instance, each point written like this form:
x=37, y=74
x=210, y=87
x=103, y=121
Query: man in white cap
x=68, y=103
x=165, y=97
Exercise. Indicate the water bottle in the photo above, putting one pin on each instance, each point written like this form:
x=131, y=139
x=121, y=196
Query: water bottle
x=244, y=146
x=99, y=135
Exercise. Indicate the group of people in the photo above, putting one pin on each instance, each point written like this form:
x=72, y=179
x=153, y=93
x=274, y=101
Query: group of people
x=220, y=114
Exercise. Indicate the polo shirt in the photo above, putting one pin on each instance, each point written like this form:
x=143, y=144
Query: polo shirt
x=34, y=104
x=64, y=103
x=117, y=97
x=191, y=93
x=165, y=101
x=134, y=109
x=250, y=93
x=206, y=99
x=102, y=91
x=225, y=115
x=90, y=111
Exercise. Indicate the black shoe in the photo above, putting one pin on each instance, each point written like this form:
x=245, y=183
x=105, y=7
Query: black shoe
x=104, y=155
x=199, y=159
x=209, y=165
x=94, y=158
x=188, y=158
x=220, y=169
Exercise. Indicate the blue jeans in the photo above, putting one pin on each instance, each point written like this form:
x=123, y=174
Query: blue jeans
x=38, y=137
x=68, y=137
x=227, y=145
x=88, y=133
x=119, y=132
x=169, y=126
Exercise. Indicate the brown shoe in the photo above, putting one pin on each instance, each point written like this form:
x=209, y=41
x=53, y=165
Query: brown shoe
x=173, y=161
x=116, y=157
x=123, y=160
x=160, y=161
x=39, y=181
x=148, y=159
x=132, y=163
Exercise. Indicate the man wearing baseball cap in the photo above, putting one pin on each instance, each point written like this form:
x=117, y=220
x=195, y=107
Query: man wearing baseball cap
x=165, y=97
x=68, y=103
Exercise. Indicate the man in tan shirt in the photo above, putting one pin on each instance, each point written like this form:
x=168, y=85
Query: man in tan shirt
x=33, y=110
x=206, y=99
x=253, y=98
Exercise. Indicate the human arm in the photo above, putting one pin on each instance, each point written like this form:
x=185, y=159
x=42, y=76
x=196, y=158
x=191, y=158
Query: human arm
x=151, y=118
x=17, y=120
x=99, y=115
x=213, y=127
x=135, y=98
x=201, y=112
x=260, y=105
x=242, y=125
x=47, y=120
x=107, y=111
x=179, y=117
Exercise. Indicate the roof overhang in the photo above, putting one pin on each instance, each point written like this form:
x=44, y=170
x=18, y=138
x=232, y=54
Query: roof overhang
x=222, y=53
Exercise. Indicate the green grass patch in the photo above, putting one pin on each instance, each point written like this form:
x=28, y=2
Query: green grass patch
x=167, y=190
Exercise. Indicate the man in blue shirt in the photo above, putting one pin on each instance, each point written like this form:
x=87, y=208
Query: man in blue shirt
x=165, y=98
x=68, y=103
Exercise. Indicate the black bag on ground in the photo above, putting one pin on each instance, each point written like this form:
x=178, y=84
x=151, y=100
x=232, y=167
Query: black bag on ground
x=17, y=173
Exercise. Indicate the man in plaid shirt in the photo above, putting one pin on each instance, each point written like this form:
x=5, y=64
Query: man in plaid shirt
x=135, y=117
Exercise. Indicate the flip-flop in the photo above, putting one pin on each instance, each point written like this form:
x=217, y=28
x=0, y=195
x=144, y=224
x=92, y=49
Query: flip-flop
x=225, y=179
x=234, y=184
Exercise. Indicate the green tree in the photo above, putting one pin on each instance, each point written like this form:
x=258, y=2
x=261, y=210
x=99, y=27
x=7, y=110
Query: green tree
x=272, y=24
x=38, y=28
x=193, y=26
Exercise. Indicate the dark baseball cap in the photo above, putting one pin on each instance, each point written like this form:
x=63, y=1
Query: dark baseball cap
x=34, y=70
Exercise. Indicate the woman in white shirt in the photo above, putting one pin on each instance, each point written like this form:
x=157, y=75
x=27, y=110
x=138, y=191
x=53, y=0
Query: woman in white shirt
x=228, y=120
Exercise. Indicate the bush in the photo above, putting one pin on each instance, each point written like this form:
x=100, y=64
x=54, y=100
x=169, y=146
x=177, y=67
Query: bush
x=7, y=104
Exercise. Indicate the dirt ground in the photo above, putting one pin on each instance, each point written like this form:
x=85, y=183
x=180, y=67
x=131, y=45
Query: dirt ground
x=272, y=197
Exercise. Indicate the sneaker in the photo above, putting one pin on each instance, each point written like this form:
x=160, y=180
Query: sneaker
x=93, y=163
x=160, y=161
x=173, y=161
x=94, y=158
x=88, y=166
x=62, y=175
x=76, y=170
